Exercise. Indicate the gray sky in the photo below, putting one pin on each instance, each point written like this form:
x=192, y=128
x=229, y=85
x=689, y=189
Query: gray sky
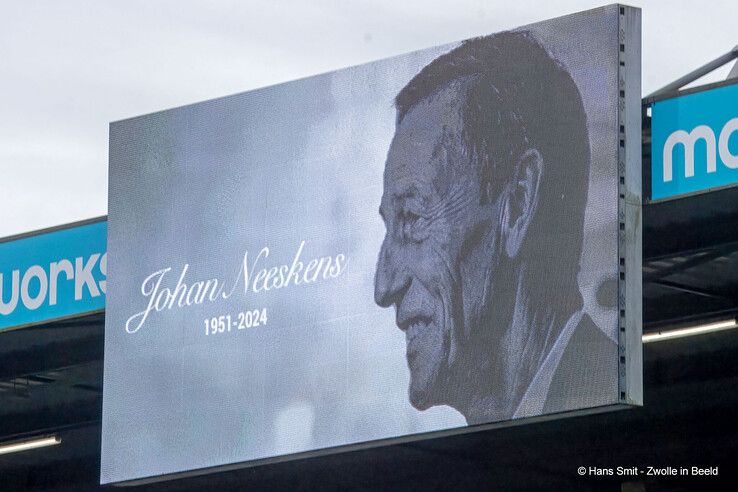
x=68, y=68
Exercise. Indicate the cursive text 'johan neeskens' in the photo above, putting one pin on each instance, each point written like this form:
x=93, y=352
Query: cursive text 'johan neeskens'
x=255, y=275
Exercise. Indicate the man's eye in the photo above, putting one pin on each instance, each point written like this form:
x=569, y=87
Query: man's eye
x=411, y=217
x=409, y=223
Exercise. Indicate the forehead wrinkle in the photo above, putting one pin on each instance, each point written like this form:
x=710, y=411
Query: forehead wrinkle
x=426, y=151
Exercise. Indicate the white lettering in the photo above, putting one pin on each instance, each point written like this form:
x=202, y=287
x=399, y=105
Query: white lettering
x=33, y=303
x=256, y=279
x=152, y=281
x=54, y=269
x=688, y=140
x=83, y=276
x=104, y=270
x=180, y=289
x=9, y=307
x=730, y=160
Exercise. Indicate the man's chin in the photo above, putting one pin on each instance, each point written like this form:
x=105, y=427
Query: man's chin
x=421, y=396
x=419, y=400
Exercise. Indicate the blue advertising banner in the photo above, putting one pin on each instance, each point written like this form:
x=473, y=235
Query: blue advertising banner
x=53, y=275
x=694, y=142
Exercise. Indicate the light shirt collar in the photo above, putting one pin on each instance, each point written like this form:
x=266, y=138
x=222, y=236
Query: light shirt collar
x=535, y=396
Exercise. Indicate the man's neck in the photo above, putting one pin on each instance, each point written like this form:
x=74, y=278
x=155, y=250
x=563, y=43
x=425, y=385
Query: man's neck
x=530, y=333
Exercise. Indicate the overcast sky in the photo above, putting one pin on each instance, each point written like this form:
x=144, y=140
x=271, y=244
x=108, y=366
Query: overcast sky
x=68, y=68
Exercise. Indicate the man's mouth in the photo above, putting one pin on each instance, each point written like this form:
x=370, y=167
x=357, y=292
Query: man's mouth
x=413, y=331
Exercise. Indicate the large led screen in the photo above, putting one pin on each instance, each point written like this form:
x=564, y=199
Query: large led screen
x=431, y=242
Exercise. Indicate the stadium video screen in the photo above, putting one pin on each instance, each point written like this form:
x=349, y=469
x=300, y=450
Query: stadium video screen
x=430, y=242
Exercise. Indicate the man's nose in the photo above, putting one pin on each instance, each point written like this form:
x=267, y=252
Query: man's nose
x=391, y=280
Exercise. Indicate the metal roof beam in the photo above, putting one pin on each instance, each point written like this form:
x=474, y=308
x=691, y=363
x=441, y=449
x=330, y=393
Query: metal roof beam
x=700, y=72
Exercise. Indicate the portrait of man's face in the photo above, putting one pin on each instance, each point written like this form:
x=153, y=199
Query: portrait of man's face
x=480, y=202
x=437, y=227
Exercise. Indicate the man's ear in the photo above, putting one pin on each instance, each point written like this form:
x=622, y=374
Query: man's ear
x=522, y=200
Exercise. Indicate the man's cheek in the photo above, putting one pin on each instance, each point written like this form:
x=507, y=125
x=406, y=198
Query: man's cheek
x=443, y=295
x=435, y=254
